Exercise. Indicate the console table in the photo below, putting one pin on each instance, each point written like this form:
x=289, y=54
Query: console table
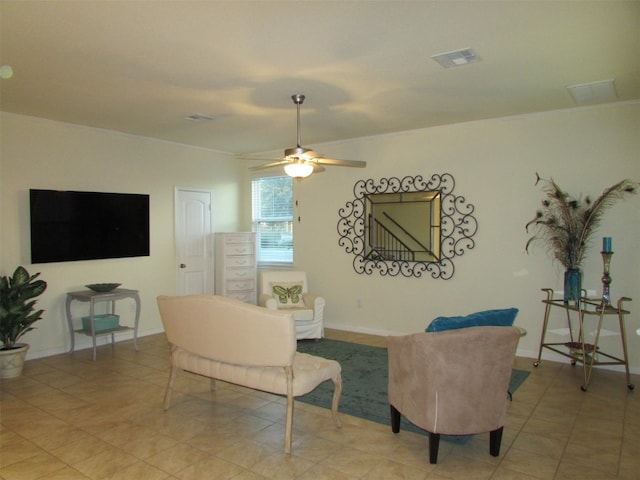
x=93, y=298
x=578, y=350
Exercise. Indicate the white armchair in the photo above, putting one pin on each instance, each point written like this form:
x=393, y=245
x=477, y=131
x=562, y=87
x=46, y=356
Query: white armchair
x=285, y=289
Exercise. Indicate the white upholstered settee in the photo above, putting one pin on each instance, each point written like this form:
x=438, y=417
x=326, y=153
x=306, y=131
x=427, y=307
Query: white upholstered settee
x=225, y=339
x=307, y=308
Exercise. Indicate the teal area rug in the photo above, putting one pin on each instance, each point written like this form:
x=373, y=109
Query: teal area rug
x=365, y=379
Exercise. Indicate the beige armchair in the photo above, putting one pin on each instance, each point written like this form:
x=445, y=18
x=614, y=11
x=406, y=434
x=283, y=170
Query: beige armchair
x=452, y=382
x=288, y=290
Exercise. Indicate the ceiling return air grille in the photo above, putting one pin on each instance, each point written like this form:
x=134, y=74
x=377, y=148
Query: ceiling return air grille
x=594, y=92
x=456, y=58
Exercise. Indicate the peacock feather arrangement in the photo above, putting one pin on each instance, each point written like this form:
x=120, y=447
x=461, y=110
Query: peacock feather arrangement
x=565, y=224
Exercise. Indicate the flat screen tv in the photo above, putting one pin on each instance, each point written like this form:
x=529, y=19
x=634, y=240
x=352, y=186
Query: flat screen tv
x=70, y=226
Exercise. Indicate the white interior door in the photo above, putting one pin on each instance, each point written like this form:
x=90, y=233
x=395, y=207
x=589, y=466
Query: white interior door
x=194, y=241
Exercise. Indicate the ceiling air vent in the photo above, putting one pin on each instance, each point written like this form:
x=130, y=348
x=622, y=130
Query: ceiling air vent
x=594, y=92
x=456, y=58
x=198, y=117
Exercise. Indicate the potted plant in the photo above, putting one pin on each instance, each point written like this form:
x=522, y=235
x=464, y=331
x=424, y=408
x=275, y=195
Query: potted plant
x=17, y=316
x=565, y=225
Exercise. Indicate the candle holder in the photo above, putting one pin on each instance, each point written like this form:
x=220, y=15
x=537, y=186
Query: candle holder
x=606, y=281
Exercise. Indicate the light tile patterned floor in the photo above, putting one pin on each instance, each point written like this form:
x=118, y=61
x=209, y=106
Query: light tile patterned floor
x=69, y=418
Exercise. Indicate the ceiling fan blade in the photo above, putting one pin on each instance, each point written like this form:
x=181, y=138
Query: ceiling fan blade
x=317, y=168
x=259, y=159
x=340, y=163
x=270, y=165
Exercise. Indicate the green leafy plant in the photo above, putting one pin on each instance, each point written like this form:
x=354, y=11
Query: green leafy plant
x=17, y=305
x=565, y=224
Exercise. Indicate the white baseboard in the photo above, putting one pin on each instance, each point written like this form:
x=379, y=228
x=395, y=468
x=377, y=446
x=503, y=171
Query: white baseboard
x=546, y=355
x=369, y=331
x=84, y=342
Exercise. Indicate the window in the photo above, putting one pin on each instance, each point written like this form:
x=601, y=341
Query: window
x=272, y=219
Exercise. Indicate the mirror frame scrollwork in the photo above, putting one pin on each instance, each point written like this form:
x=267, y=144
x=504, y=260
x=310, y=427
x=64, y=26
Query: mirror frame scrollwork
x=457, y=226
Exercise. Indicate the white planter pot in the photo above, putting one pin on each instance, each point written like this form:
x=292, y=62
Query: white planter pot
x=12, y=361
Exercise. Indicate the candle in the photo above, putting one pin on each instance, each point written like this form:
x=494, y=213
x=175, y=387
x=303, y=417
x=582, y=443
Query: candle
x=606, y=244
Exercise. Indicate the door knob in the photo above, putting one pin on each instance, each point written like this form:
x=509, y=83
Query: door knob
x=183, y=265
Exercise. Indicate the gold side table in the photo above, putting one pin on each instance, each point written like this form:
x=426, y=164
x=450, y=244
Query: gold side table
x=577, y=349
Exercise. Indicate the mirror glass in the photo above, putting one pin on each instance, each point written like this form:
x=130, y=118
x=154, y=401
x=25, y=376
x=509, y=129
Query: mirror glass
x=403, y=226
x=411, y=226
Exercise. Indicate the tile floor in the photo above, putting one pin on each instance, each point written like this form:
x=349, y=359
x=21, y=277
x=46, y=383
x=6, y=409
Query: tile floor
x=68, y=417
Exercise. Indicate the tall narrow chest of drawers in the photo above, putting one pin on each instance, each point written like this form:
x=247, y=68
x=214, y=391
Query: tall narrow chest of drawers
x=236, y=265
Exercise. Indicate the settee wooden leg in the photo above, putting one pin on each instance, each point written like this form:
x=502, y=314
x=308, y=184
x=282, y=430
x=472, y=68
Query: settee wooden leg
x=395, y=419
x=495, y=438
x=167, y=393
x=289, y=425
x=288, y=431
x=434, y=444
x=337, y=393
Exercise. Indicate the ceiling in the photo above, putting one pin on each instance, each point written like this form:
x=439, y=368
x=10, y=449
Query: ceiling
x=141, y=67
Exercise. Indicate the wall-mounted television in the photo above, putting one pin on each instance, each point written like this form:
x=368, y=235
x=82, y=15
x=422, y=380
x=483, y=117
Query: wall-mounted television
x=71, y=225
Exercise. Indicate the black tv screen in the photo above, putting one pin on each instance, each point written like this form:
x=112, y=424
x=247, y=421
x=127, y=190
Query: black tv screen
x=69, y=226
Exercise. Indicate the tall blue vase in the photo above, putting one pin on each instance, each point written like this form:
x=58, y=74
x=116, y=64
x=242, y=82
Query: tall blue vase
x=572, y=286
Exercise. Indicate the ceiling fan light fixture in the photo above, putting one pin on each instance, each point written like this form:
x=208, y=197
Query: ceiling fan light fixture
x=298, y=169
x=301, y=162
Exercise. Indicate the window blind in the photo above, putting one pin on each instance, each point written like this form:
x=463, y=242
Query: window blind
x=272, y=218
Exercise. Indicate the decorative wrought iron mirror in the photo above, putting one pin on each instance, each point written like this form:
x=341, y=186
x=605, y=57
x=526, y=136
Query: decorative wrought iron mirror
x=407, y=226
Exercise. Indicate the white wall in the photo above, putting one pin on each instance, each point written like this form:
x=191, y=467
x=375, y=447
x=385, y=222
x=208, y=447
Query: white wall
x=37, y=153
x=494, y=163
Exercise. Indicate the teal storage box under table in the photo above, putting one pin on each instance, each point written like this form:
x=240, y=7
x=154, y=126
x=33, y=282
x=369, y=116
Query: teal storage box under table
x=107, y=321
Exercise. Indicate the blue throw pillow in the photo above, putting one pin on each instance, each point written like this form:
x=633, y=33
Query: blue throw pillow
x=501, y=318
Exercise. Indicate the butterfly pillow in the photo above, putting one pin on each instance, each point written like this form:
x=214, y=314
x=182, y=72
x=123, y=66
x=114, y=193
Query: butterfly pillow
x=288, y=294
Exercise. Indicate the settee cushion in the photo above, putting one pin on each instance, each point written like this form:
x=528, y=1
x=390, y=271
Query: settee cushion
x=498, y=317
x=288, y=294
x=308, y=372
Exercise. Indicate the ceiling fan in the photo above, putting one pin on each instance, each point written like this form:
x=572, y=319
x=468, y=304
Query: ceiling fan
x=301, y=162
